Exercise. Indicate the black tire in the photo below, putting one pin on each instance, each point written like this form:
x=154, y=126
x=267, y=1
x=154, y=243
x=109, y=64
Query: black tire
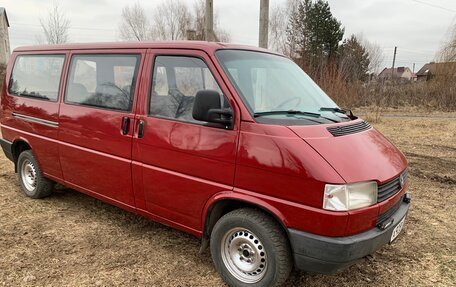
x=41, y=186
x=268, y=232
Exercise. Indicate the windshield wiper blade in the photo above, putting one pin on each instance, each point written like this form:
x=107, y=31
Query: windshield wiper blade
x=293, y=112
x=336, y=109
x=289, y=112
x=348, y=113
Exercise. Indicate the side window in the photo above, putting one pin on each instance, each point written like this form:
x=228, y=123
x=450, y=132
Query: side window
x=104, y=81
x=176, y=80
x=37, y=76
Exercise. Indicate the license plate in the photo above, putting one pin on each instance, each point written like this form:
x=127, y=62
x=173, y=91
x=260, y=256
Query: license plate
x=397, y=230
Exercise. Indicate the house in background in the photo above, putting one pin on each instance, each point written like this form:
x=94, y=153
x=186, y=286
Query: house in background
x=441, y=70
x=4, y=37
x=397, y=74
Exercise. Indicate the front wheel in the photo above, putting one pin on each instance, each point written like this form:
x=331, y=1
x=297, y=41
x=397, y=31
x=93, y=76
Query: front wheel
x=249, y=248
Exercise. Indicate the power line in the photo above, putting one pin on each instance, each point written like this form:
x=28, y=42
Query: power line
x=435, y=6
x=409, y=62
x=416, y=50
x=388, y=50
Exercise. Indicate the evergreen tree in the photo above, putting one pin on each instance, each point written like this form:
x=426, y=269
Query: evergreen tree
x=354, y=59
x=325, y=30
x=315, y=32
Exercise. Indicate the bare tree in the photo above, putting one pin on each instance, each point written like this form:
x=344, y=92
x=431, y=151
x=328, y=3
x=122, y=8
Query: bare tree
x=281, y=39
x=376, y=56
x=55, y=25
x=223, y=35
x=198, y=24
x=278, y=21
x=448, y=51
x=375, y=52
x=134, y=24
x=198, y=21
x=171, y=20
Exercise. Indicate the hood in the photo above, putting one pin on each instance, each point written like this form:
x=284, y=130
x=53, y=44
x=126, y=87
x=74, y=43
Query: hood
x=359, y=156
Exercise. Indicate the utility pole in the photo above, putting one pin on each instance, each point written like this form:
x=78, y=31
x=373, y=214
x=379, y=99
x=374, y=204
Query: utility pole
x=264, y=24
x=209, y=21
x=413, y=68
x=394, y=62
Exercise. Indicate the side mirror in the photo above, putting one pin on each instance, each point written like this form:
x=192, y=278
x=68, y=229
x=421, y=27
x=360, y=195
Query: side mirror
x=207, y=108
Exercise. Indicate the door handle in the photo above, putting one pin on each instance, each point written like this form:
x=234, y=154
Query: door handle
x=141, y=125
x=125, y=125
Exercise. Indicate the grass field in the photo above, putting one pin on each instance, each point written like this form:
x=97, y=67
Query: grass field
x=70, y=239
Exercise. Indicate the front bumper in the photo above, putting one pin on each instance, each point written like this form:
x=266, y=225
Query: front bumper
x=322, y=254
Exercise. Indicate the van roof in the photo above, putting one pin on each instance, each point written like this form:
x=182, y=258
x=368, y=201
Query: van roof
x=199, y=45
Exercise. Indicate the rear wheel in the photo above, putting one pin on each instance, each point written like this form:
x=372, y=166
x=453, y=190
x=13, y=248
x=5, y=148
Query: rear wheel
x=31, y=179
x=249, y=248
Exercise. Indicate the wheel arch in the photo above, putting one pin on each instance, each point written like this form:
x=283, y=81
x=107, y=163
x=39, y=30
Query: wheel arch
x=223, y=203
x=19, y=145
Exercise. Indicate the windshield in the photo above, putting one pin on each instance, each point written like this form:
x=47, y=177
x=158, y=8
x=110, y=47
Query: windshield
x=270, y=82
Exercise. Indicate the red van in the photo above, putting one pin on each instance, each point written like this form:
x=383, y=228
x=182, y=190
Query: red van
x=233, y=144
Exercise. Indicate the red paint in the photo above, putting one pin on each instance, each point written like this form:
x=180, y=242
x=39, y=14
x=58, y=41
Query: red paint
x=178, y=170
x=355, y=157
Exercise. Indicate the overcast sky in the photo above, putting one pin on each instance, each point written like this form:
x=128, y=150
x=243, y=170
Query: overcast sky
x=417, y=27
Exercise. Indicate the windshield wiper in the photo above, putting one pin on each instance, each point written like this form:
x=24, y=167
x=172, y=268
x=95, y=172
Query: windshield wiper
x=348, y=113
x=289, y=112
x=337, y=110
x=293, y=112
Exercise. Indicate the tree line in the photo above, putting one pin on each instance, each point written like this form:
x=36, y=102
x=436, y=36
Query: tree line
x=308, y=32
x=305, y=30
x=170, y=20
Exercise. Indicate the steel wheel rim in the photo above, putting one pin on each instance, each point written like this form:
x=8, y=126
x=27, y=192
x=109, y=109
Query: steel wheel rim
x=28, y=175
x=244, y=255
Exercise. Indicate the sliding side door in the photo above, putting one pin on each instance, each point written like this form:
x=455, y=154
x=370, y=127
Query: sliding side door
x=96, y=120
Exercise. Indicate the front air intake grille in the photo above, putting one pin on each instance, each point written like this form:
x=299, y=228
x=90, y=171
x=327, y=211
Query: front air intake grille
x=349, y=129
x=391, y=187
x=387, y=214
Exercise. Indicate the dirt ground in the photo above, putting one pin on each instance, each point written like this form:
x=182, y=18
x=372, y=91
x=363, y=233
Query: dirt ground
x=70, y=239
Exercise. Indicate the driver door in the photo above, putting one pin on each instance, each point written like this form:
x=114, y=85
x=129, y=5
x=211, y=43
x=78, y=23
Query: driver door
x=179, y=162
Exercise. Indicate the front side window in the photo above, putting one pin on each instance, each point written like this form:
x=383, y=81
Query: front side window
x=37, y=76
x=176, y=81
x=104, y=81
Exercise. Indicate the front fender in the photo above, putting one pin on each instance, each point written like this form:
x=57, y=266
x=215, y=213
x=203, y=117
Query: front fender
x=244, y=198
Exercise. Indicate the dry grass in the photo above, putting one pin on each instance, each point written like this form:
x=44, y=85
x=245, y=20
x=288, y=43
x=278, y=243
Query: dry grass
x=439, y=93
x=70, y=239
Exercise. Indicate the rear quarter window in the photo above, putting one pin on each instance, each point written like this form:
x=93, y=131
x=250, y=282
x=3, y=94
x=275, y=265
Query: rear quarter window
x=37, y=76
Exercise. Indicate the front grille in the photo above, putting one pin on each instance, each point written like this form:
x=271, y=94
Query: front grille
x=391, y=187
x=349, y=129
x=387, y=214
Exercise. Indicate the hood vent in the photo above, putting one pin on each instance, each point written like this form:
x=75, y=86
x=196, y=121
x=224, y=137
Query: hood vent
x=349, y=129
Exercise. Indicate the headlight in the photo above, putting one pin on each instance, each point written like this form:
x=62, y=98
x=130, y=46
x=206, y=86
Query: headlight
x=350, y=196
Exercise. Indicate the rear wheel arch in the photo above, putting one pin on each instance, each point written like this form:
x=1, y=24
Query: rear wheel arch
x=18, y=146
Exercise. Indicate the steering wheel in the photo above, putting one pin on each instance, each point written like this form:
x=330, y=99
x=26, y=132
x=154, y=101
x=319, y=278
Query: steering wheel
x=297, y=99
